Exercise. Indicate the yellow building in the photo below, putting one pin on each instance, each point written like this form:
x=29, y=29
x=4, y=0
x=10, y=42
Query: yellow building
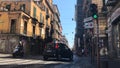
x=25, y=20
x=27, y=15
x=49, y=19
x=102, y=21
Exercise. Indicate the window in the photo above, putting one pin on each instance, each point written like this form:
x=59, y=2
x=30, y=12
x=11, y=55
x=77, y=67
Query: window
x=13, y=26
x=40, y=17
x=47, y=22
x=47, y=12
x=8, y=7
x=43, y=19
x=33, y=30
x=34, y=12
x=22, y=7
x=25, y=27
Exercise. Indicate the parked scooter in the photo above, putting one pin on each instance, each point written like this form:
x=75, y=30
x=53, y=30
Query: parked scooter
x=18, y=51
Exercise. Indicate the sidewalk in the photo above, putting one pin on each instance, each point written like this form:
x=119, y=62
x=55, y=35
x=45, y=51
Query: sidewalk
x=5, y=55
x=25, y=57
x=109, y=63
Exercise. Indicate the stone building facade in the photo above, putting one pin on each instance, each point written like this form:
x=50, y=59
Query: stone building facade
x=28, y=21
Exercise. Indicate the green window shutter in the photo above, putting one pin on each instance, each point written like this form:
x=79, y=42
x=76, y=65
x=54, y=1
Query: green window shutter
x=40, y=17
x=34, y=12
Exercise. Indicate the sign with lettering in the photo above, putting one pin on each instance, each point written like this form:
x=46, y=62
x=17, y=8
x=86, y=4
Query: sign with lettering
x=88, y=25
x=88, y=22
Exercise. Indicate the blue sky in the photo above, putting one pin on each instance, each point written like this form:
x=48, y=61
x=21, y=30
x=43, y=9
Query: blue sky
x=67, y=11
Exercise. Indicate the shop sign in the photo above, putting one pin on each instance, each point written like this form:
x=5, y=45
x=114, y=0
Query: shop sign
x=88, y=19
x=88, y=22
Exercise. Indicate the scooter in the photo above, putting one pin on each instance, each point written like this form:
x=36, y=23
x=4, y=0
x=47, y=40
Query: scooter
x=18, y=52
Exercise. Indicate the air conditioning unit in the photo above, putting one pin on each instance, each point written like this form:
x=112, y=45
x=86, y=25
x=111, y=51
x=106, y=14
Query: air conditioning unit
x=5, y=9
x=22, y=8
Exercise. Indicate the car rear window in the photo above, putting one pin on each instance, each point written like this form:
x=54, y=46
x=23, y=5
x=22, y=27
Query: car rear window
x=63, y=46
x=49, y=45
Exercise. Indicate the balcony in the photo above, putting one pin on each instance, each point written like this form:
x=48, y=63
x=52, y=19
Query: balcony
x=49, y=5
x=40, y=4
x=104, y=10
x=111, y=2
x=34, y=21
x=47, y=16
x=41, y=24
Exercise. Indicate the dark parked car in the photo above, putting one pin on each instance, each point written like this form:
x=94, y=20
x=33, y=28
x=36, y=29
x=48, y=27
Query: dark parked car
x=57, y=50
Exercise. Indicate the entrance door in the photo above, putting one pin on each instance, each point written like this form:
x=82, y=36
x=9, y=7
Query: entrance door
x=118, y=46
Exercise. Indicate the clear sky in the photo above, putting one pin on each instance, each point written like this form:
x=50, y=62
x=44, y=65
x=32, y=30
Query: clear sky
x=67, y=12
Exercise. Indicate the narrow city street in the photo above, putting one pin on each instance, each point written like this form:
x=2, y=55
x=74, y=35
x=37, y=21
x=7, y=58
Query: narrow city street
x=6, y=61
x=78, y=33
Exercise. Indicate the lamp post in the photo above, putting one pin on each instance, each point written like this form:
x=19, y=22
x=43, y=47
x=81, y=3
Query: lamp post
x=94, y=13
x=98, y=55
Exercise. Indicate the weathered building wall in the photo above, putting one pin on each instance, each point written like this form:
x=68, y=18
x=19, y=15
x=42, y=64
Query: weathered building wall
x=8, y=43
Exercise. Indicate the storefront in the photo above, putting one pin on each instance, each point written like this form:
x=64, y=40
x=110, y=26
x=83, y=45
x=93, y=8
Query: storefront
x=115, y=36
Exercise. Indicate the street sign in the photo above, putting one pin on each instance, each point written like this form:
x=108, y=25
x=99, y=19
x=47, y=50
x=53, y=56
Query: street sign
x=88, y=19
x=88, y=25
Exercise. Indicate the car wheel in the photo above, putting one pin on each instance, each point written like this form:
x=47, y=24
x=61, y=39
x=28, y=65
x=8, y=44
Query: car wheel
x=14, y=56
x=22, y=55
x=71, y=58
x=45, y=58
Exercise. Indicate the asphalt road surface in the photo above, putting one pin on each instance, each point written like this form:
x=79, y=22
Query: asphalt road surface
x=6, y=61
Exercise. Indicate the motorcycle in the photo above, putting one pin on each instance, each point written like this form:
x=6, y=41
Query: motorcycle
x=18, y=51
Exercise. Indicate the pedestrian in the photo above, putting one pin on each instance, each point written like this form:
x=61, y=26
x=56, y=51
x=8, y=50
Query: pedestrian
x=82, y=52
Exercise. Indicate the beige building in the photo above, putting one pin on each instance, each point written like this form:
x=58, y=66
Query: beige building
x=25, y=14
x=113, y=31
x=26, y=20
x=56, y=25
x=102, y=21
